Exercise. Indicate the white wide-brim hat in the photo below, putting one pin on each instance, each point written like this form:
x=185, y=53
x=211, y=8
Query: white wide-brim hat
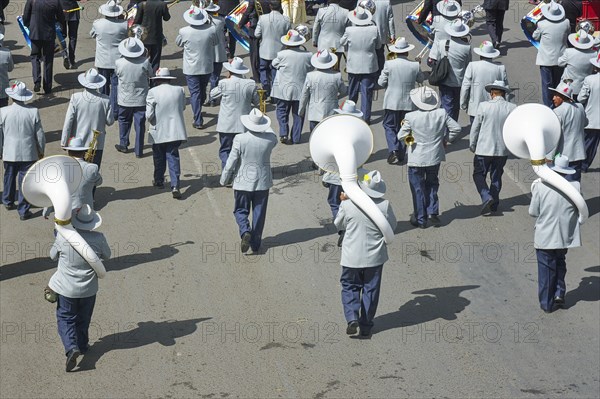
x=131, y=47
x=323, y=59
x=256, y=121
x=18, y=91
x=75, y=144
x=360, y=16
x=163, y=73
x=195, y=16
x=497, y=85
x=448, y=9
x=371, y=183
x=348, y=107
x=564, y=89
x=401, y=46
x=561, y=165
x=91, y=79
x=1, y=37
x=581, y=40
x=553, y=11
x=486, y=50
x=110, y=9
x=596, y=60
x=293, y=38
x=236, y=65
x=85, y=218
x=425, y=98
x=212, y=7
x=457, y=28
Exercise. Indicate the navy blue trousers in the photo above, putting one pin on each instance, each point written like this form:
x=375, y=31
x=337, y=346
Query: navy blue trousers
x=365, y=85
x=391, y=126
x=550, y=78
x=197, y=86
x=13, y=172
x=162, y=154
x=424, y=185
x=226, y=140
x=42, y=51
x=267, y=74
x=245, y=201
x=73, y=317
x=282, y=112
x=552, y=269
x=110, y=88
x=333, y=198
x=450, y=98
x=216, y=74
x=360, y=293
x=592, y=138
x=494, y=166
x=137, y=116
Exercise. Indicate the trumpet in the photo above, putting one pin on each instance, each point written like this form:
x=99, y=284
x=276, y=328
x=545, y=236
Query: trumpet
x=262, y=100
x=91, y=152
x=409, y=140
x=424, y=51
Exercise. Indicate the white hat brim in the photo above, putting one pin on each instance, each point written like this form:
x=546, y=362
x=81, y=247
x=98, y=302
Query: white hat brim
x=84, y=83
x=480, y=53
x=567, y=171
x=102, y=10
x=594, y=62
x=192, y=21
x=442, y=10
x=553, y=17
x=342, y=112
x=397, y=50
x=231, y=69
x=76, y=148
x=321, y=65
x=371, y=192
x=360, y=22
x=561, y=93
x=578, y=45
x=90, y=226
x=14, y=96
x=491, y=87
x=248, y=124
x=214, y=8
x=415, y=97
x=453, y=33
x=292, y=44
x=163, y=78
x=126, y=53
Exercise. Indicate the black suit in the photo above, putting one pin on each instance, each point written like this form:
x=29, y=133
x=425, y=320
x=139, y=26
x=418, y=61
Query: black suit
x=226, y=6
x=429, y=6
x=251, y=15
x=150, y=15
x=40, y=16
x=573, y=10
x=72, y=19
x=494, y=18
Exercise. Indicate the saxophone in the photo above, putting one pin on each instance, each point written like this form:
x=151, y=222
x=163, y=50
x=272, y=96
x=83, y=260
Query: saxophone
x=91, y=152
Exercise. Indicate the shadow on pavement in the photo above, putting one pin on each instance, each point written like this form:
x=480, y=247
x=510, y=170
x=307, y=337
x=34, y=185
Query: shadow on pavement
x=156, y=254
x=588, y=290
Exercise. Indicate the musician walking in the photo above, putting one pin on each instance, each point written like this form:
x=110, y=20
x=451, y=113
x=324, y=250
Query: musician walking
x=198, y=41
x=399, y=76
x=255, y=8
x=447, y=11
x=552, y=32
x=576, y=60
x=488, y=145
x=40, y=17
x=218, y=23
x=383, y=17
x=6, y=66
x=225, y=8
x=72, y=15
x=84, y=195
x=22, y=143
x=151, y=14
x=494, y=19
x=329, y=26
x=590, y=96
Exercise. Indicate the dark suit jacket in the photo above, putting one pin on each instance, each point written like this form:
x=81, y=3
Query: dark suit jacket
x=430, y=7
x=251, y=15
x=3, y=4
x=495, y=4
x=348, y=4
x=227, y=6
x=150, y=14
x=573, y=10
x=40, y=16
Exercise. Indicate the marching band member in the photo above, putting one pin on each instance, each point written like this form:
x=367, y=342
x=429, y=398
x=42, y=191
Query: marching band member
x=237, y=95
x=249, y=169
x=198, y=41
x=76, y=284
x=218, y=23
x=72, y=15
x=6, y=66
x=459, y=55
x=383, y=17
x=251, y=16
x=109, y=32
x=292, y=64
x=552, y=32
x=40, y=17
x=399, y=76
x=133, y=70
x=88, y=110
x=322, y=88
x=494, y=19
x=431, y=6
x=164, y=110
x=364, y=252
x=151, y=14
x=488, y=145
x=361, y=41
x=572, y=122
x=556, y=230
x=576, y=60
x=225, y=8
x=590, y=96
x=448, y=11
x=22, y=143
x=84, y=195
x=428, y=127
x=329, y=26
x=479, y=74
x=269, y=29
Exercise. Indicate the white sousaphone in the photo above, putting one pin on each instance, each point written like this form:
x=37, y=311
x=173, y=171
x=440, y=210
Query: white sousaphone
x=530, y=132
x=341, y=144
x=50, y=182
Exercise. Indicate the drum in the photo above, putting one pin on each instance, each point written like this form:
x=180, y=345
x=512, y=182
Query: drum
x=529, y=23
x=231, y=22
x=421, y=31
x=60, y=45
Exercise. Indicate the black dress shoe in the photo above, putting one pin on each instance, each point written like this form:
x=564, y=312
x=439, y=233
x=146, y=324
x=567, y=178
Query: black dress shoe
x=66, y=64
x=47, y=91
x=559, y=301
x=547, y=311
x=352, y=327
x=199, y=127
x=365, y=331
x=486, y=208
x=283, y=140
x=10, y=207
x=414, y=222
x=435, y=220
x=72, y=359
x=121, y=148
x=176, y=193
x=158, y=184
x=245, y=245
x=393, y=158
x=26, y=215
x=37, y=87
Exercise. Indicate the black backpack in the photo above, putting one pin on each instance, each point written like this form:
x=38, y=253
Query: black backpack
x=440, y=69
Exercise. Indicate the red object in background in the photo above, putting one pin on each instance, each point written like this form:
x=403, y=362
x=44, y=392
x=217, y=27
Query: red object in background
x=590, y=10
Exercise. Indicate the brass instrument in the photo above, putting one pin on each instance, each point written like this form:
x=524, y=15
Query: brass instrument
x=262, y=100
x=91, y=152
x=424, y=51
x=336, y=67
x=409, y=140
x=138, y=31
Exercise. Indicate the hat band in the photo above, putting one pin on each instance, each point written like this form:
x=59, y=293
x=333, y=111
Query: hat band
x=538, y=162
x=61, y=222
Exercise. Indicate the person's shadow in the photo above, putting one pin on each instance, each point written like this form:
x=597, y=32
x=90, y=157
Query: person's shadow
x=134, y=259
x=588, y=289
x=435, y=303
x=29, y=266
x=146, y=333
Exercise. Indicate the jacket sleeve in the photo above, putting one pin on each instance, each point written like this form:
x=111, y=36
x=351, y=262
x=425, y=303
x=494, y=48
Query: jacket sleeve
x=343, y=89
x=563, y=60
x=166, y=14
x=27, y=13
x=537, y=34
x=340, y=220
x=344, y=39
x=465, y=90
x=182, y=99
x=304, y=97
x=584, y=93
x=391, y=23
x=105, y=252
x=420, y=76
x=139, y=15
x=232, y=162
x=453, y=128
x=383, y=78
x=404, y=130
x=475, y=129
x=246, y=16
x=258, y=30
x=110, y=116
x=60, y=17
x=179, y=40
x=427, y=8
x=391, y=218
x=93, y=33
x=151, y=108
x=55, y=250
x=11, y=64
x=276, y=62
x=68, y=125
x=534, y=206
x=41, y=137
x=316, y=30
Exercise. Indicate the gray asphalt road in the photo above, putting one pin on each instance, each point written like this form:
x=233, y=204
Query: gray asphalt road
x=183, y=314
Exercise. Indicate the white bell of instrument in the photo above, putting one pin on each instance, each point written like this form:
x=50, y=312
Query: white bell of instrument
x=341, y=144
x=50, y=182
x=530, y=132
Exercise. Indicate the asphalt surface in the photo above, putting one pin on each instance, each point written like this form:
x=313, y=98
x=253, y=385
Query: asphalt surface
x=182, y=313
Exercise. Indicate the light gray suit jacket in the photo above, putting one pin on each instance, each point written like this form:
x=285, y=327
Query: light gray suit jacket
x=429, y=131
x=88, y=110
x=133, y=74
x=292, y=66
x=577, y=66
x=91, y=178
x=164, y=111
x=399, y=76
x=590, y=96
x=573, y=122
x=363, y=244
x=320, y=94
x=108, y=32
x=249, y=162
x=486, y=131
x=218, y=23
x=360, y=43
x=329, y=27
x=384, y=20
x=22, y=137
x=237, y=97
x=438, y=24
x=556, y=226
x=269, y=30
x=198, y=43
x=553, y=41
x=6, y=66
x=459, y=57
x=477, y=75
